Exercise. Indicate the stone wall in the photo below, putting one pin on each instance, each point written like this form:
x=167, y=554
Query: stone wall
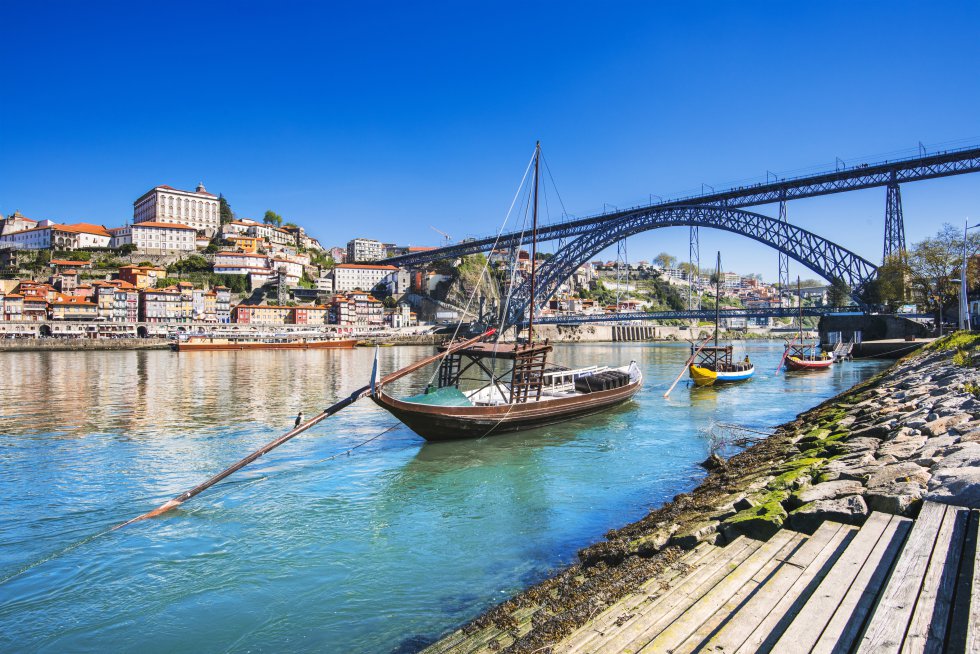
x=78, y=344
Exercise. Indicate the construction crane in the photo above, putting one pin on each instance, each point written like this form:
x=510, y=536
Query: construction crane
x=449, y=239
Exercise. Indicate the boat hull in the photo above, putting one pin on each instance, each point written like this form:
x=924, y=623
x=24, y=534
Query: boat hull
x=707, y=377
x=441, y=423
x=339, y=344
x=795, y=363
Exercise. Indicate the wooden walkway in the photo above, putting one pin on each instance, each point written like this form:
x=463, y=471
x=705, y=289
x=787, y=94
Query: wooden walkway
x=894, y=585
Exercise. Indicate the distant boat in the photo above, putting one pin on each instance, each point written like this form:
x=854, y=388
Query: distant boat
x=197, y=343
x=800, y=356
x=488, y=388
x=715, y=364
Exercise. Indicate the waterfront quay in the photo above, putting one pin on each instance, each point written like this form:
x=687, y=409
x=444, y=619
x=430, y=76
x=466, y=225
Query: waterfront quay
x=852, y=528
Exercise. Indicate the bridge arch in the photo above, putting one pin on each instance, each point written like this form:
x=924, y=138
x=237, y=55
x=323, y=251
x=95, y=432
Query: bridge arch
x=824, y=257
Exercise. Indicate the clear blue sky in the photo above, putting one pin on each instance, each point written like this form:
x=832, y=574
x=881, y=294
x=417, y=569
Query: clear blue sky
x=379, y=119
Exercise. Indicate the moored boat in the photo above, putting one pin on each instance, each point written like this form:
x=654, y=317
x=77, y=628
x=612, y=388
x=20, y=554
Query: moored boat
x=196, y=343
x=801, y=356
x=804, y=361
x=716, y=364
x=494, y=387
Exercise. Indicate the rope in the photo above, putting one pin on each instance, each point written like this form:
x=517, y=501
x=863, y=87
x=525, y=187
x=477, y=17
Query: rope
x=361, y=444
x=486, y=265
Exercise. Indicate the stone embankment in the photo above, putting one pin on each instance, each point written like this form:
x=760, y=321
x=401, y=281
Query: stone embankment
x=80, y=344
x=910, y=434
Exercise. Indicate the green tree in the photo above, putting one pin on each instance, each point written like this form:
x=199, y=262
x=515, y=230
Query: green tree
x=224, y=210
x=890, y=287
x=665, y=260
x=272, y=218
x=934, y=264
x=127, y=249
x=839, y=293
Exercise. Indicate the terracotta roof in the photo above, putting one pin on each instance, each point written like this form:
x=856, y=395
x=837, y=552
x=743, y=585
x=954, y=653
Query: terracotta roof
x=14, y=295
x=69, y=262
x=84, y=228
x=239, y=254
x=359, y=266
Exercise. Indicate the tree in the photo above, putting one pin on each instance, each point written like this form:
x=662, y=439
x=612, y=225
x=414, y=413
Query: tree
x=127, y=249
x=839, y=293
x=934, y=263
x=224, y=210
x=687, y=268
x=890, y=288
x=272, y=218
x=665, y=260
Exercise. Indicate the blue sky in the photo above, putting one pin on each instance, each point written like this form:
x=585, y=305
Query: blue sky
x=380, y=119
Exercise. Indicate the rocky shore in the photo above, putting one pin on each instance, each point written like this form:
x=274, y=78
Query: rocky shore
x=909, y=434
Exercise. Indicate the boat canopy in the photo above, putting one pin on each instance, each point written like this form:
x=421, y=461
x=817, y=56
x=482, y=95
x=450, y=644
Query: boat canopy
x=446, y=396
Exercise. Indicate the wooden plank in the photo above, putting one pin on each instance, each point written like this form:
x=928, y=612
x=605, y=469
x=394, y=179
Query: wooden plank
x=784, y=613
x=738, y=617
x=966, y=583
x=889, y=622
x=672, y=629
x=973, y=628
x=927, y=628
x=676, y=600
x=680, y=570
x=799, y=635
x=848, y=621
x=829, y=538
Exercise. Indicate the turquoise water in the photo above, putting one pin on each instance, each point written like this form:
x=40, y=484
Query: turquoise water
x=380, y=551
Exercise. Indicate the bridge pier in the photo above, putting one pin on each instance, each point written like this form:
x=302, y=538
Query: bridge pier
x=894, y=222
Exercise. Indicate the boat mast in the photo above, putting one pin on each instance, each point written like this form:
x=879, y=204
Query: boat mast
x=717, y=296
x=534, y=241
x=799, y=302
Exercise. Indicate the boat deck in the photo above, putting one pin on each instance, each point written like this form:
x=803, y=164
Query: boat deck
x=894, y=585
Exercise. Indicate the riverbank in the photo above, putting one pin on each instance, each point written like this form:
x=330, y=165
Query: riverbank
x=81, y=344
x=908, y=434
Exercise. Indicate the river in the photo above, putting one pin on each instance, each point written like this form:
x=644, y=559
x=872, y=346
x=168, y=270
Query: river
x=379, y=551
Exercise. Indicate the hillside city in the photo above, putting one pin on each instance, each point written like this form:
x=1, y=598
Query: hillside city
x=186, y=258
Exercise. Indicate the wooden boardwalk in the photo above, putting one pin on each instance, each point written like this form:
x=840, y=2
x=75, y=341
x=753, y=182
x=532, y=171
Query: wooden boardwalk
x=894, y=585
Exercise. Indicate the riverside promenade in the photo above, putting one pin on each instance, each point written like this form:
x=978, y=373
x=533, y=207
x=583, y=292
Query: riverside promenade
x=852, y=528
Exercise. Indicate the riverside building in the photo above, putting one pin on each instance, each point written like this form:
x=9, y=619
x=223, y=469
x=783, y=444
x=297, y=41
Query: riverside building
x=154, y=237
x=164, y=204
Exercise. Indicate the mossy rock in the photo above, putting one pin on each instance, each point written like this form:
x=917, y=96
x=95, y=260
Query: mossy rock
x=759, y=522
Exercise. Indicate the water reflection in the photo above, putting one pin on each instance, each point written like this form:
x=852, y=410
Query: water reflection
x=302, y=551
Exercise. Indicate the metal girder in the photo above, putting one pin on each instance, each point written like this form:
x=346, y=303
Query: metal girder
x=701, y=314
x=816, y=253
x=783, y=257
x=943, y=164
x=894, y=224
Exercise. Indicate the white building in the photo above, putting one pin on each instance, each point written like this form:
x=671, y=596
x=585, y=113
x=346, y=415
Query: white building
x=59, y=237
x=164, y=204
x=364, y=249
x=272, y=234
x=155, y=238
x=241, y=263
x=350, y=276
x=293, y=269
x=16, y=222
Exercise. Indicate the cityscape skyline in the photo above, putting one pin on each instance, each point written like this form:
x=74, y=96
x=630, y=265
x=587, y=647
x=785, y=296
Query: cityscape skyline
x=425, y=129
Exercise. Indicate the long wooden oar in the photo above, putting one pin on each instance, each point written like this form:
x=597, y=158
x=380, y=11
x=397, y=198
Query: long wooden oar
x=688, y=364
x=785, y=354
x=329, y=411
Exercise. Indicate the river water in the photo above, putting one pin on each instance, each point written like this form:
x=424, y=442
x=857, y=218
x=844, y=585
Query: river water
x=379, y=551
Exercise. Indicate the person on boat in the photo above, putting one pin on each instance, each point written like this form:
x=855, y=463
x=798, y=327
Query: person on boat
x=299, y=420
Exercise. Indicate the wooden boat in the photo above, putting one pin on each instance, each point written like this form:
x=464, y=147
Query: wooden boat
x=803, y=357
x=527, y=394
x=198, y=343
x=716, y=364
x=489, y=388
x=800, y=356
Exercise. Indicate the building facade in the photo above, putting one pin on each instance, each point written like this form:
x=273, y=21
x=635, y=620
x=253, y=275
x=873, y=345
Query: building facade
x=155, y=237
x=365, y=249
x=351, y=276
x=164, y=204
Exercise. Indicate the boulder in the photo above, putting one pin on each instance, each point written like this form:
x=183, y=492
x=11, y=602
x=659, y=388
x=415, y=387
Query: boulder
x=898, y=498
x=940, y=426
x=850, y=510
x=959, y=486
x=828, y=490
x=759, y=522
x=898, y=472
x=902, y=447
x=648, y=544
x=690, y=535
x=962, y=455
x=744, y=503
x=713, y=462
x=971, y=436
x=876, y=431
